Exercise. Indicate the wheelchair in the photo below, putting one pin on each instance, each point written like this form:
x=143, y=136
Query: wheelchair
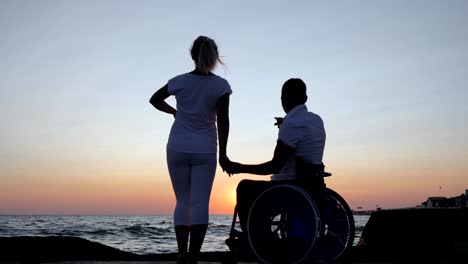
x=295, y=229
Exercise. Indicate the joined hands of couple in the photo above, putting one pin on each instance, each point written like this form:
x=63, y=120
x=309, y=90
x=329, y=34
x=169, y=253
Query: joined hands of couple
x=231, y=167
x=228, y=166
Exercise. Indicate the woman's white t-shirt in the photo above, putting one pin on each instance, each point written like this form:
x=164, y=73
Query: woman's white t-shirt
x=194, y=128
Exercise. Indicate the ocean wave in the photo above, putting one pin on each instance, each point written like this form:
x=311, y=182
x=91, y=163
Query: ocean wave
x=100, y=232
x=142, y=230
x=68, y=233
x=45, y=232
x=219, y=226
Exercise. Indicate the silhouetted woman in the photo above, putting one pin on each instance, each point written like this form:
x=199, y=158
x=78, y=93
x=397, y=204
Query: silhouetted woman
x=202, y=101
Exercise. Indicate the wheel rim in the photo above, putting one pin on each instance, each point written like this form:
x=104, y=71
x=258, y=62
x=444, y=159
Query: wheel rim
x=283, y=226
x=339, y=228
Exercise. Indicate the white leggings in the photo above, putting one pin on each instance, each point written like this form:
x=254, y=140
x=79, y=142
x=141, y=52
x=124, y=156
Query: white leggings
x=192, y=177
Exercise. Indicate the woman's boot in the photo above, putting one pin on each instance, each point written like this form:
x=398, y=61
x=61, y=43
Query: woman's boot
x=182, y=237
x=197, y=235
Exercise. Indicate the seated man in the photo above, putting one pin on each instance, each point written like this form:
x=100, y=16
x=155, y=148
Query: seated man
x=301, y=139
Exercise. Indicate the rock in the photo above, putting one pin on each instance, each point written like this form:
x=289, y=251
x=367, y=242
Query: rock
x=417, y=234
x=35, y=249
x=57, y=248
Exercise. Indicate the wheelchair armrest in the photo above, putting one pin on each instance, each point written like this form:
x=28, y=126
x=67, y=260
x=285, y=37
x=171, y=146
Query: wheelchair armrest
x=305, y=170
x=321, y=174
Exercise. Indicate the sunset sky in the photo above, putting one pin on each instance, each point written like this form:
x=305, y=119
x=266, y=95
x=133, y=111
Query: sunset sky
x=78, y=136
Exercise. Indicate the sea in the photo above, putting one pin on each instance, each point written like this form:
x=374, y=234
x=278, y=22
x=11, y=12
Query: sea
x=141, y=234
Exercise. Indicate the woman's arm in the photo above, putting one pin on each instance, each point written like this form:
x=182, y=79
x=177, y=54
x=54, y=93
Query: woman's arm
x=158, y=101
x=222, y=112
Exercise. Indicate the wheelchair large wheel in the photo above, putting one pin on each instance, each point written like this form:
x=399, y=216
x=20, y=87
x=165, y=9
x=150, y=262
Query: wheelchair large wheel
x=283, y=225
x=338, y=236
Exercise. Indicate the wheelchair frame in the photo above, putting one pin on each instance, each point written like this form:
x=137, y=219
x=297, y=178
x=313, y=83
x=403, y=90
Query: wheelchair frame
x=331, y=238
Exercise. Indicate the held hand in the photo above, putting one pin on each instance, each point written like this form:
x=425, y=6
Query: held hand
x=279, y=121
x=224, y=162
x=228, y=166
x=233, y=168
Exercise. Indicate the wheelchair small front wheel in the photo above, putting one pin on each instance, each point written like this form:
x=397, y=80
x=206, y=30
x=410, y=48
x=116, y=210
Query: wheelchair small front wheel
x=283, y=225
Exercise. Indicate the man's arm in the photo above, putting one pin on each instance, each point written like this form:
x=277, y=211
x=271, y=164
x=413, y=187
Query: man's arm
x=158, y=101
x=280, y=157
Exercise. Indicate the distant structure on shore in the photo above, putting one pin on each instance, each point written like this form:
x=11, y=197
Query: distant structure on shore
x=460, y=201
x=362, y=212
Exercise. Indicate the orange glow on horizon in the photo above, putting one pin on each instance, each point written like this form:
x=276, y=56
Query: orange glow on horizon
x=111, y=191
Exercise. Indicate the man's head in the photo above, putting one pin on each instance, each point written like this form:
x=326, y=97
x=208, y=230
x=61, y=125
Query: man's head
x=293, y=94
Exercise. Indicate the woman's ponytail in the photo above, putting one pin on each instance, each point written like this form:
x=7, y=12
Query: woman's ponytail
x=205, y=54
